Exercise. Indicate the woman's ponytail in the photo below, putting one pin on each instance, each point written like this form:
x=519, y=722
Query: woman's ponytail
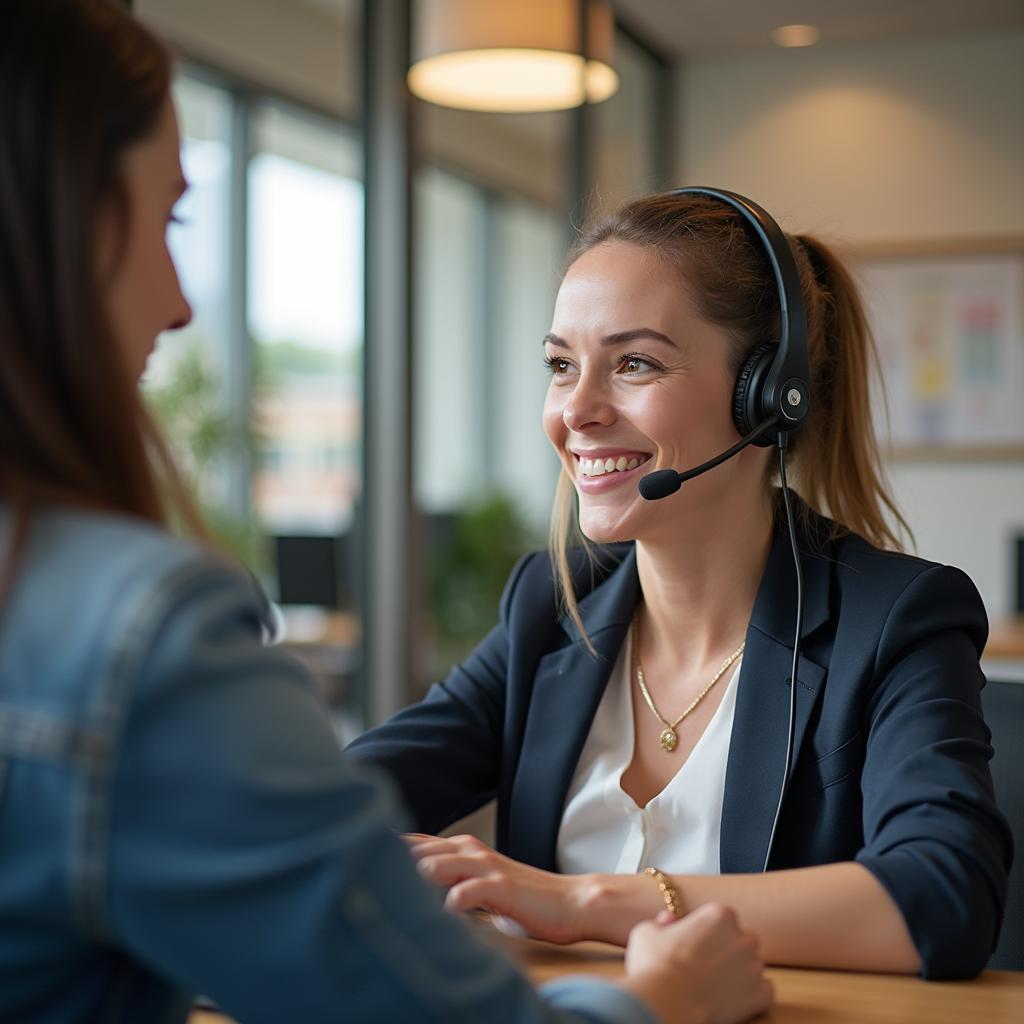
x=837, y=466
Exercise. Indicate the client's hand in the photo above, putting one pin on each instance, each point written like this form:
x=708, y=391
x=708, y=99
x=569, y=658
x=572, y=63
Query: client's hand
x=700, y=970
x=545, y=904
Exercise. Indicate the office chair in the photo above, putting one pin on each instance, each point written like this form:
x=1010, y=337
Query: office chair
x=1004, y=712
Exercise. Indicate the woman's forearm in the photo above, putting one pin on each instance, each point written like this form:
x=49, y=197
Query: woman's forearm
x=833, y=916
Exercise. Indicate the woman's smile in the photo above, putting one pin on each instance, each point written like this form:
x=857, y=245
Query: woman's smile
x=602, y=469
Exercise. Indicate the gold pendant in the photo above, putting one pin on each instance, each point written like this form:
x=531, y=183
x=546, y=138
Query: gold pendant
x=669, y=739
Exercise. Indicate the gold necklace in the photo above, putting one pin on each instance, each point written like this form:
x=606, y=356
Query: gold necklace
x=669, y=738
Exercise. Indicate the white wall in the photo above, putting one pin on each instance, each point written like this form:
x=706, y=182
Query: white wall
x=887, y=143
x=905, y=142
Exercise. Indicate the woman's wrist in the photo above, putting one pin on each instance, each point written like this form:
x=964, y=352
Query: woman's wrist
x=607, y=907
x=668, y=889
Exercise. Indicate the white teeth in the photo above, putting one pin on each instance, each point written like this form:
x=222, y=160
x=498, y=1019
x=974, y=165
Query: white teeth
x=598, y=467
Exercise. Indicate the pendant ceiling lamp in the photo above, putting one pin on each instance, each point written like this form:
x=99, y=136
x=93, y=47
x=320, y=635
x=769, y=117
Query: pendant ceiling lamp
x=512, y=55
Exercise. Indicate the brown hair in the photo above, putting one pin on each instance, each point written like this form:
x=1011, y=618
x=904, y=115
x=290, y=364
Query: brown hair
x=835, y=461
x=80, y=82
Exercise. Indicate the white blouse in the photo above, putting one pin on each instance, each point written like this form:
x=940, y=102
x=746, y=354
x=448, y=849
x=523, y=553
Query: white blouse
x=678, y=831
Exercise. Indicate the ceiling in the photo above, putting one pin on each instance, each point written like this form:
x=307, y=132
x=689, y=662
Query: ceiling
x=721, y=26
x=694, y=27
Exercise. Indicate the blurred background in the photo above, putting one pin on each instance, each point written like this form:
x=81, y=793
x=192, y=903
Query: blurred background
x=358, y=397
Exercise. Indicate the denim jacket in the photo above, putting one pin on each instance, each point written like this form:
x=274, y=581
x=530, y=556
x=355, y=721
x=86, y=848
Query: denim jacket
x=176, y=817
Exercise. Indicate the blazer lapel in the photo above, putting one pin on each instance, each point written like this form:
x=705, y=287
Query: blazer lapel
x=568, y=687
x=757, y=749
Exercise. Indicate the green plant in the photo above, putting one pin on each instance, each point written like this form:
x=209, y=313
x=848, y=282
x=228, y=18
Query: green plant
x=189, y=406
x=468, y=569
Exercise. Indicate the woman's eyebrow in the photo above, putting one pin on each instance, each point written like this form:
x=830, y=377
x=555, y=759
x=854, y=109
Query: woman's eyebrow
x=618, y=338
x=640, y=332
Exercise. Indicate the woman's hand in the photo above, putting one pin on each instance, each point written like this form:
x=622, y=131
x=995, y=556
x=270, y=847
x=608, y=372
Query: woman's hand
x=546, y=905
x=699, y=970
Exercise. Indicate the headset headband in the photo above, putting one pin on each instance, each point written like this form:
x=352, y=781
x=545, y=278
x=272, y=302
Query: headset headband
x=787, y=388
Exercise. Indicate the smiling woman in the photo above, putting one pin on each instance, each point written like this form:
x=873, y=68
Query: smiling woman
x=631, y=710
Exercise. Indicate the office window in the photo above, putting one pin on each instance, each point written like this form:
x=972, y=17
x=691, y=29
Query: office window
x=305, y=317
x=450, y=341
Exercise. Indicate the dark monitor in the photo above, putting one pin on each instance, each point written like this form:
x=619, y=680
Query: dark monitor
x=439, y=529
x=311, y=570
x=1020, y=574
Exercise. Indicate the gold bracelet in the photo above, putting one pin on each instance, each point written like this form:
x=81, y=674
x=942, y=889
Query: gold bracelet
x=669, y=893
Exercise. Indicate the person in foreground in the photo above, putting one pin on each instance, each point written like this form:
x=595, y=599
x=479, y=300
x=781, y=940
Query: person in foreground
x=175, y=815
x=631, y=710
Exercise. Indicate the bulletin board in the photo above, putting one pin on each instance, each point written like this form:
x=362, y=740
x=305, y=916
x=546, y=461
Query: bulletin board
x=948, y=321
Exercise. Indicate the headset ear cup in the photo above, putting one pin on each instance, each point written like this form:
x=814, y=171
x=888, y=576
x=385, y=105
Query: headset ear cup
x=747, y=405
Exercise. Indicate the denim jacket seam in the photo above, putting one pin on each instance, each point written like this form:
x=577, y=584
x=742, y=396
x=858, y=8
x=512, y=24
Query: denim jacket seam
x=39, y=735
x=92, y=796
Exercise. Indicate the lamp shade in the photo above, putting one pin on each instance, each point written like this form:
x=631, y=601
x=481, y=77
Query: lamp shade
x=511, y=55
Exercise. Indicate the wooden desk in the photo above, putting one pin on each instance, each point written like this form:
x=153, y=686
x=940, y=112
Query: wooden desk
x=802, y=997
x=1006, y=639
x=822, y=997
x=1003, y=659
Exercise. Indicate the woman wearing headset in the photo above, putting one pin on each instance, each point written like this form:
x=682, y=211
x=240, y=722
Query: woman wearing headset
x=631, y=710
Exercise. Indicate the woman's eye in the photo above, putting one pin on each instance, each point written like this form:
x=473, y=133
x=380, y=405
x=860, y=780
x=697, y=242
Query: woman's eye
x=636, y=364
x=558, y=367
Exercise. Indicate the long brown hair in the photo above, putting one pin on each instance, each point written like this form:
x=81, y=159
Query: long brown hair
x=80, y=82
x=835, y=461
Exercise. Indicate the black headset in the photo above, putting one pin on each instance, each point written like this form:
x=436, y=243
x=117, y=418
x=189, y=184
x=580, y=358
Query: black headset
x=770, y=401
x=772, y=396
x=774, y=382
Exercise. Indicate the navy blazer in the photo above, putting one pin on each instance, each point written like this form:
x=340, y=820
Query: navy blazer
x=890, y=753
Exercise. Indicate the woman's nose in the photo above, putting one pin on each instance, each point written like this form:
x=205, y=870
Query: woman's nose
x=588, y=405
x=182, y=314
